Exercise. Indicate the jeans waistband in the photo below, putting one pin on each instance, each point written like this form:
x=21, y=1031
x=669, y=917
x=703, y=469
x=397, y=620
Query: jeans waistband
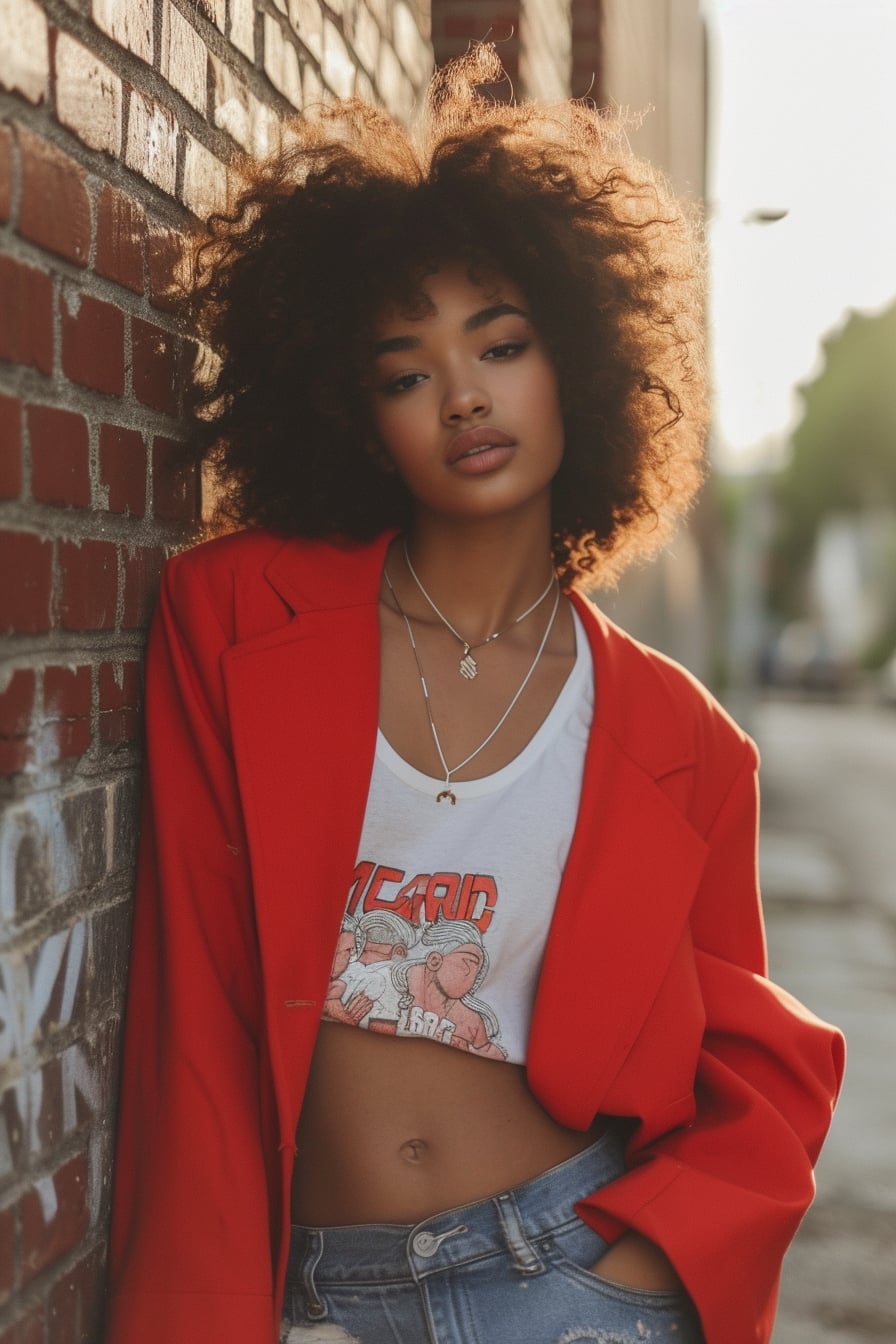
x=508, y=1221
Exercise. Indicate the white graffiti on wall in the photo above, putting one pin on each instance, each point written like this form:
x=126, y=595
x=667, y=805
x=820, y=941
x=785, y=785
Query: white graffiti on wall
x=38, y=825
x=40, y=862
x=25, y=1001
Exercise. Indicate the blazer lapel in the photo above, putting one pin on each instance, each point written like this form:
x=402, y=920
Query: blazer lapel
x=633, y=867
x=304, y=705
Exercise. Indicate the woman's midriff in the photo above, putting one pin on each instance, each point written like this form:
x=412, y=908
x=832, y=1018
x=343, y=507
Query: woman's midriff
x=394, y=1131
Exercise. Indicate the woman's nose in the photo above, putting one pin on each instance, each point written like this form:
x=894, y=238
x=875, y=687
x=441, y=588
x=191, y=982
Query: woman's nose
x=464, y=400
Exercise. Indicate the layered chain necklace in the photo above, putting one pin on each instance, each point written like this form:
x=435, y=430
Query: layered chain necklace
x=447, y=793
x=468, y=665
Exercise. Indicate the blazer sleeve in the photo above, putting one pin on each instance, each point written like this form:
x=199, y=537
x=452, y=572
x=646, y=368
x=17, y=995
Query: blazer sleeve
x=724, y=1195
x=190, y=1249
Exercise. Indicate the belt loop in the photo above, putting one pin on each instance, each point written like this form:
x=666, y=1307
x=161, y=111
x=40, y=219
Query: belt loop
x=314, y=1306
x=525, y=1257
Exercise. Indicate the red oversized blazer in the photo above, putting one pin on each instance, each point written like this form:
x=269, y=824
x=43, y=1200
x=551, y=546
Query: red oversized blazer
x=652, y=1003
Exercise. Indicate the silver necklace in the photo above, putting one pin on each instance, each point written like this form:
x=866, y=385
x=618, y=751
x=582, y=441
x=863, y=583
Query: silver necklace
x=448, y=793
x=468, y=665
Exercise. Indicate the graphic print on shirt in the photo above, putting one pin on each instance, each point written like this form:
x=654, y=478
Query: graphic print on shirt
x=413, y=968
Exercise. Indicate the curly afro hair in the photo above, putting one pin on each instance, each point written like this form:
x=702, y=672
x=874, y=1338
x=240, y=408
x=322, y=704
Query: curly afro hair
x=353, y=214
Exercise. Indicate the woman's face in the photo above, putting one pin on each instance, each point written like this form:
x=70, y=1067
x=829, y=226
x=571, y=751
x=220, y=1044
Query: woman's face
x=464, y=400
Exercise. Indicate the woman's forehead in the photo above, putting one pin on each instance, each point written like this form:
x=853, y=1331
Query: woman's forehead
x=451, y=289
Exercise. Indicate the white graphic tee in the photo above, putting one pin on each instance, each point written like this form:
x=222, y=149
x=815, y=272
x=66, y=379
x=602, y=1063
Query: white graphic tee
x=449, y=909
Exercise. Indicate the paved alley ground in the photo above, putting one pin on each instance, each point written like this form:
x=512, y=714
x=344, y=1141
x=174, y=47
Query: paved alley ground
x=828, y=861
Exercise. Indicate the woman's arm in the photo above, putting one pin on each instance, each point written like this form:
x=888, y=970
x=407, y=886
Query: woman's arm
x=190, y=1190
x=723, y=1196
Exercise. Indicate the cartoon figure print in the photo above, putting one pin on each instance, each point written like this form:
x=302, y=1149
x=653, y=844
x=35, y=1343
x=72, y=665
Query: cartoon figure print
x=392, y=977
x=361, y=991
x=445, y=966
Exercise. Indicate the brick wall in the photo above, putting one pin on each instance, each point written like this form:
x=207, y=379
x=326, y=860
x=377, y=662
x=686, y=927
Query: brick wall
x=546, y=49
x=457, y=23
x=550, y=48
x=586, y=78
x=117, y=119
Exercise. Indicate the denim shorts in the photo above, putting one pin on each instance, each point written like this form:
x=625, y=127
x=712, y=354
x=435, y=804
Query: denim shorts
x=511, y=1269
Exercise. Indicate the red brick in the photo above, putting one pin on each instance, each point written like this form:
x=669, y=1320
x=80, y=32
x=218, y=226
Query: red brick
x=15, y=753
x=164, y=254
x=25, y=604
x=189, y=360
x=123, y=469
x=27, y=1330
x=184, y=60
x=120, y=237
x=93, y=344
x=11, y=1118
x=466, y=26
x=83, y=814
x=213, y=10
x=60, y=456
x=119, y=703
x=174, y=492
x=5, y=172
x=89, y=95
x=142, y=568
x=241, y=30
x=26, y=315
x=7, y=1252
x=51, y=1119
x=152, y=138
x=75, y=1306
x=43, y=1242
x=129, y=25
x=16, y=708
x=10, y=447
x=89, y=585
x=154, y=368
x=64, y=983
x=24, y=67
x=67, y=691
x=67, y=702
x=54, y=210
x=17, y=703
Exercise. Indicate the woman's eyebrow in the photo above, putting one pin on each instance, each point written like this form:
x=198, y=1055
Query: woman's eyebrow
x=486, y=315
x=472, y=323
x=395, y=343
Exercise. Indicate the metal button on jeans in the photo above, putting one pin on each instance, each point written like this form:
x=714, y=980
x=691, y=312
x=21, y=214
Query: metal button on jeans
x=426, y=1244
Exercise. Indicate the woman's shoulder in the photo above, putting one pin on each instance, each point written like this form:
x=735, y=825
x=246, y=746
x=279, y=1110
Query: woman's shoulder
x=246, y=552
x=251, y=553
x=656, y=708
x=254, y=580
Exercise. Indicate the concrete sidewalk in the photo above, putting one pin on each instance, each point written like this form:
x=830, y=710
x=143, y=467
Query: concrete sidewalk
x=829, y=771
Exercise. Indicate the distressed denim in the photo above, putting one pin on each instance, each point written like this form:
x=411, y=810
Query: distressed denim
x=512, y=1269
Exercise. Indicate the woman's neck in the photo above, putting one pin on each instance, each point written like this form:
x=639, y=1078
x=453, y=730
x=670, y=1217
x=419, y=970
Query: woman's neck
x=481, y=575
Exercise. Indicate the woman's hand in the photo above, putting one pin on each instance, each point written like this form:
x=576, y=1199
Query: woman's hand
x=637, y=1263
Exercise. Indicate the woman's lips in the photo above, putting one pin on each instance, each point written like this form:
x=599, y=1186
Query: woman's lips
x=479, y=450
x=483, y=460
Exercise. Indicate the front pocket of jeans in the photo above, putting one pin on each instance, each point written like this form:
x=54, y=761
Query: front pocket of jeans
x=649, y=1299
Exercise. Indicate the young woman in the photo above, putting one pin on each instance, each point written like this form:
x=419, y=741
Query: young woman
x=448, y=1019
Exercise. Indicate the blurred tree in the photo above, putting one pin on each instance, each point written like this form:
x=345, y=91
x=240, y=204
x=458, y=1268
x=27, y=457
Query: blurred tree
x=844, y=450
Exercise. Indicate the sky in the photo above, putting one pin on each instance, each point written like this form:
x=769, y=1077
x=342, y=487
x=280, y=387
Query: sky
x=803, y=120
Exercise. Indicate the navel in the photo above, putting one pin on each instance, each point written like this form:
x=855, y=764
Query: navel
x=414, y=1151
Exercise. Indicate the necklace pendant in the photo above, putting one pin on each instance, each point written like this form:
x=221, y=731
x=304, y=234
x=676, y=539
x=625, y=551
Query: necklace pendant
x=468, y=665
x=446, y=793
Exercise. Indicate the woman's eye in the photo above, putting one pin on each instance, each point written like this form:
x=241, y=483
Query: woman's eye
x=402, y=383
x=506, y=350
